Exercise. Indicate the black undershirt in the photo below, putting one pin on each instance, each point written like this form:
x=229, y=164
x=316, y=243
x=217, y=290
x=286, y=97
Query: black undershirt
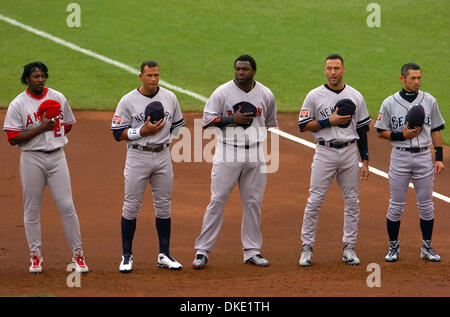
x=335, y=91
x=408, y=96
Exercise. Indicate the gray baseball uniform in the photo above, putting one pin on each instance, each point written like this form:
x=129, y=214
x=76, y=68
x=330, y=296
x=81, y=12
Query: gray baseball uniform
x=148, y=158
x=406, y=165
x=337, y=156
x=43, y=162
x=238, y=159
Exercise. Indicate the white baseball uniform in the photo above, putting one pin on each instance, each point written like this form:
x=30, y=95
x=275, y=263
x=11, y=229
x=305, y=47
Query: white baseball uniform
x=337, y=156
x=144, y=165
x=407, y=164
x=43, y=162
x=238, y=159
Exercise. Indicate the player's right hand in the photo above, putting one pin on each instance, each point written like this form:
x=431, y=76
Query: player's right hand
x=243, y=118
x=151, y=128
x=411, y=133
x=47, y=124
x=336, y=119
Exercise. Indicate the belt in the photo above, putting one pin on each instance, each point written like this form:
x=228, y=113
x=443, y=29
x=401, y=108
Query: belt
x=412, y=149
x=247, y=146
x=155, y=148
x=49, y=152
x=336, y=145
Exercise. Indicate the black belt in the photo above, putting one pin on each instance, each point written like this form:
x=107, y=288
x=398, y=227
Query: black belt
x=247, y=146
x=412, y=149
x=155, y=148
x=49, y=152
x=335, y=145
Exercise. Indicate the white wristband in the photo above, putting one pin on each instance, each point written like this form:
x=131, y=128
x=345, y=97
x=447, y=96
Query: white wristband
x=134, y=134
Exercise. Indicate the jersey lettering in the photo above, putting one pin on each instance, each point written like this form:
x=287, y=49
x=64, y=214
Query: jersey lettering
x=259, y=112
x=29, y=121
x=326, y=112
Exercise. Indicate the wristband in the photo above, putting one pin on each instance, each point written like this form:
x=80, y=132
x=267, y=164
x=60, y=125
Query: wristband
x=134, y=134
x=324, y=123
x=439, y=154
x=397, y=136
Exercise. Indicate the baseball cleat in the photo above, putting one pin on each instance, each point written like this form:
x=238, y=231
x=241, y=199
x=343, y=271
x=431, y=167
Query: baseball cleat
x=126, y=265
x=349, y=255
x=167, y=262
x=199, y=261
x=257, y=260
x=36, y=264
x=306, y=256
x=394, y=251
x=79, y=262
x=428, y=253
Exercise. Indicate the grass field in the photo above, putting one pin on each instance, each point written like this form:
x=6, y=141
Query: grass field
x=196, y=42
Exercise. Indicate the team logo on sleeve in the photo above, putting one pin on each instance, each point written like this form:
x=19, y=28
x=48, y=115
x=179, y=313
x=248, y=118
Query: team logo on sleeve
x=117, y=119
x=304, y=113
x=380, y=116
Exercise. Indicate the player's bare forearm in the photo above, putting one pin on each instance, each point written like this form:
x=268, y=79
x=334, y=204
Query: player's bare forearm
x=437, y=138
x=384, y=134
x=28, y=135
x=311, y=126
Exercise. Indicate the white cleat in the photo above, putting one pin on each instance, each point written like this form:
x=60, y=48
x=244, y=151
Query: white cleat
x=126, y=265
x=167, y=262
x=306, y=256
x=394, y=251
x=427, y=252
x=79, y=262
x=349, y=255
x=36, y=264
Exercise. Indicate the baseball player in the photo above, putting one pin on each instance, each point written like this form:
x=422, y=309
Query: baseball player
x=411, y=157
x=336, y=154
x=241, y=110
x=148, y=160
x=42, y=161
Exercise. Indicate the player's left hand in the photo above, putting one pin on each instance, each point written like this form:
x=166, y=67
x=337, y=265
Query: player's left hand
x=438, y=167
x=364, y=174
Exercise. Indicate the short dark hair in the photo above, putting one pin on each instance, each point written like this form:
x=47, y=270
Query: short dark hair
x=27, y=69
x=405, y=68
x=246, y=58
x=149, y=64
x=335, y=56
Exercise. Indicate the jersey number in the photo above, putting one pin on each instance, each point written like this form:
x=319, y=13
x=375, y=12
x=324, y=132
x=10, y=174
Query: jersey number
x=58, y=130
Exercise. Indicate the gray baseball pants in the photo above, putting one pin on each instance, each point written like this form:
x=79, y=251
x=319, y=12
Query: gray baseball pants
x=327, y=163
x=252, y=182
x=404, y=167
x=143, y=168
x=38, y=169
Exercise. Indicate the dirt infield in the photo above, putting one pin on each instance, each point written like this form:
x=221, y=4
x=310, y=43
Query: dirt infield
x=96, y=165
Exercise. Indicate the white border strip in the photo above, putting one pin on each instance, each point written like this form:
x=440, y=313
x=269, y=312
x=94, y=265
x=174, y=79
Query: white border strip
x=173, y=87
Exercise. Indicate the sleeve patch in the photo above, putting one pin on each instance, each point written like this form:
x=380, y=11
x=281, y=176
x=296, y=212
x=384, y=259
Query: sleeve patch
x=380, y=116
x=117, y=119
x=304, y=113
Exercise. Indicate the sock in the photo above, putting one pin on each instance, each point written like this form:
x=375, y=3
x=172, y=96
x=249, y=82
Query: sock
x=163, y=228
x=393, y=228
x=128, y=229
x=427, y=228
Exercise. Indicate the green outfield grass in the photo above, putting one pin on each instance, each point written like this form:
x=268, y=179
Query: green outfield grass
x=196, y=42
